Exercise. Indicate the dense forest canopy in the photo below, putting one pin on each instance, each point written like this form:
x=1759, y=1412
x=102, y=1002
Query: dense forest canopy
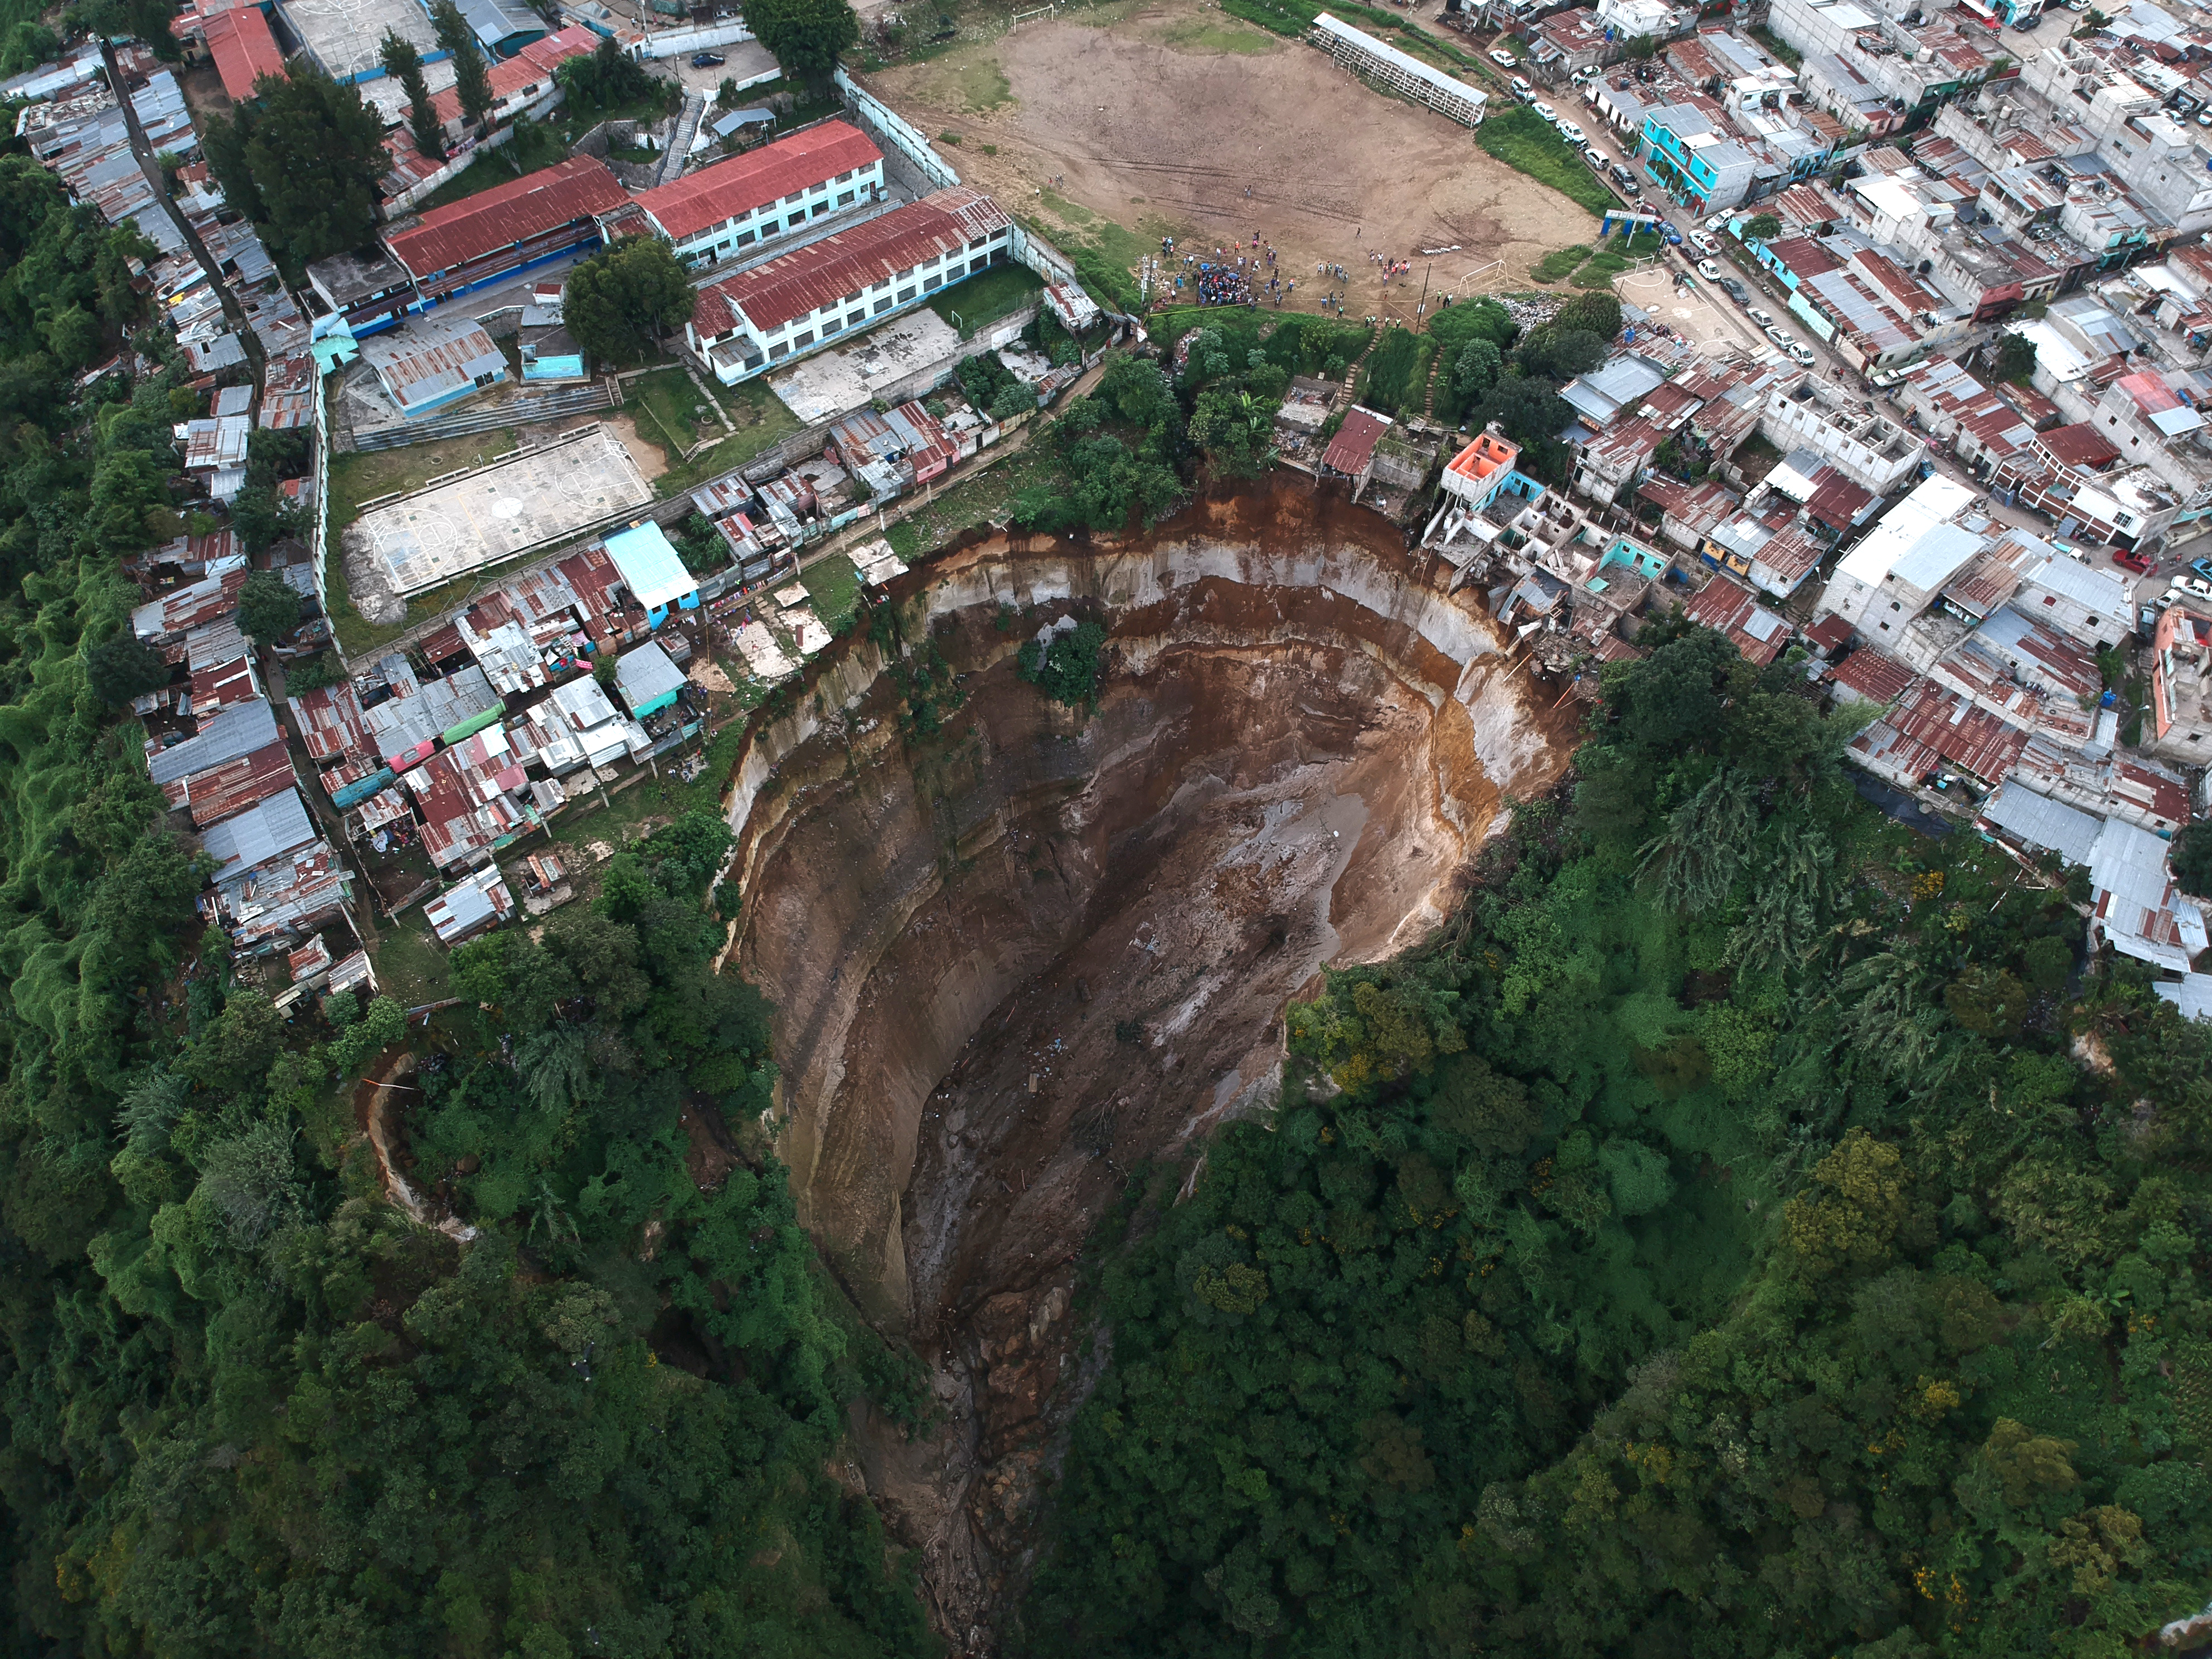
x=1745, y=1232
x=250, y=1407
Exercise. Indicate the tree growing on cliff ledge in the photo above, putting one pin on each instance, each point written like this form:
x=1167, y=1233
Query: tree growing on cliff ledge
x=1067, y=669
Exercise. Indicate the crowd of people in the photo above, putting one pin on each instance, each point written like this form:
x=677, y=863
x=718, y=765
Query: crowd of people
x=1236, y=274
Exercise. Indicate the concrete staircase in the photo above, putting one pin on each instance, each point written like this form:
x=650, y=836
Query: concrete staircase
x=679, y=139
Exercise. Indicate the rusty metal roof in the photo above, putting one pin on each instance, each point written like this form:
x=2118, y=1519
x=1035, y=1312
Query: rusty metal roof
x=330, y=724
x=1873, y=676
x=1353, y=447
x=222, y=791
x=699, y=201
x=580, y=187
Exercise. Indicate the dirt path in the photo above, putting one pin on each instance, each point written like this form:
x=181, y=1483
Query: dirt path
x=1182, y=120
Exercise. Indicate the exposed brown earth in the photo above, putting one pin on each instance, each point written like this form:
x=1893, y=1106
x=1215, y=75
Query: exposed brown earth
x=1014, y=959
x=1177, y=117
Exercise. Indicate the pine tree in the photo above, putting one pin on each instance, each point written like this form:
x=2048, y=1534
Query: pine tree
x=404, y=64
x=471, y=80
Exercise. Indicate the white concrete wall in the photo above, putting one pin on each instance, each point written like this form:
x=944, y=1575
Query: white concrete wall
x=678, y=43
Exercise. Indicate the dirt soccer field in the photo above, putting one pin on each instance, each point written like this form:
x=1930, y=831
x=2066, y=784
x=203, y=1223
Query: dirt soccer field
x=1159, y=120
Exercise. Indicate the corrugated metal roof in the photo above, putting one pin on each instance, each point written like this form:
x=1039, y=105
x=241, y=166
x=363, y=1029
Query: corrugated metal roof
x=427, y=359
x=793, y=284
x=651, y=568
x=2040, y=823
x=234, y=733
x=645, y=676
x=1873, y=677
x=1353, y=447
x=274, y=827
x=699, y=201
x=580, y=187
x=330, y=723
x=215, y=793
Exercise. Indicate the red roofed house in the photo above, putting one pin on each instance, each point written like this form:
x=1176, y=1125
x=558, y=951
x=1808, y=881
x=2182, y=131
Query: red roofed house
x=751, y=200
x=243, y=48
x=1728, y=608
x=757, y=319
x=1351, y=453
x=505, y=229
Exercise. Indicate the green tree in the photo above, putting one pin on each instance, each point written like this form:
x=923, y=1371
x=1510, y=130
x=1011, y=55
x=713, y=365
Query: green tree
x=471, y=80
x=1762, y=228
x=123, y=667
x=806, y=36
x=268, y=607
x=2014, y=359
x=2190, y=858
x=1236, y=430
x=622, y=301
x=311, y=154
x=605, y=78
x=404, y=64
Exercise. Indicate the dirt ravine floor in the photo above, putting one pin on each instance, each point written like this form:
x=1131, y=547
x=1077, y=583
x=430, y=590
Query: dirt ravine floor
x=1015, y=959
x=1163, y=119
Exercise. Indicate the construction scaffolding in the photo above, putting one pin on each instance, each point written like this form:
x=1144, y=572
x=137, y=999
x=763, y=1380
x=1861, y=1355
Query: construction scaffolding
x=1397, y=72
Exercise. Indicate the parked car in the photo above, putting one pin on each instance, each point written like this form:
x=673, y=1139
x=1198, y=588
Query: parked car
x=1674, y=236
x=1504, y=59
x=1545, y=110
x=2128, y=559
x=1708, y=271
x=1703, y=243
x=1764, y=318
x=1596, y=161
x=2202, y=568
x=1628, y=186
x=2195, y=584
x=1775, y=333
x=1735, y=290
x=1570, y=130
x=706, y=60
x=2204, y=118
x=1801, y=352
x=1523, y=90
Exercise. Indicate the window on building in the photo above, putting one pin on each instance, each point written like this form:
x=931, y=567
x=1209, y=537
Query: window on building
x=906, y=293
x=833, y=326
x=821, y=208
x=855, y=318
x=803, y=338
x=744, y=238
x=843, y=176
x=845, y=199
x=883, y=304
x=908, y=272
x=979, y=242
x=794, y=196
x=780, y=350
x=753, y=358
x=932, y=281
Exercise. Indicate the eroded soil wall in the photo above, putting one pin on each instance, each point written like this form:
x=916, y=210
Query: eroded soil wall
x=1013, y=959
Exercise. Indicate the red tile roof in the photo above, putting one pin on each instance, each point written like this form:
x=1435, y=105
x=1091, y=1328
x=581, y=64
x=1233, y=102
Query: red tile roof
x=796, y=282
x=243, y=49
x=700, y=200
x=578, y=188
